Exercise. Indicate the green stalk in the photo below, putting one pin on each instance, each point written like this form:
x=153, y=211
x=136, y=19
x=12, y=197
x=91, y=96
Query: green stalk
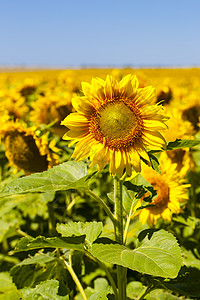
x=119, y=230
x=75, y=278
x=109, y=276
x=103, y=204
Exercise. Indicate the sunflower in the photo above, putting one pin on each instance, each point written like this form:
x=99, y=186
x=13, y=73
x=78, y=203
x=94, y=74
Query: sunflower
x=115, y=123
x=171, y=192
x=13, y=104
x=52, y=108
x=179, y=129
x=25, y=150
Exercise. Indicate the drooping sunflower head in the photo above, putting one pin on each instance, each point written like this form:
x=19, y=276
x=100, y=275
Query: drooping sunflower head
x=25, y=150
x=115, y=123
x=171, y=192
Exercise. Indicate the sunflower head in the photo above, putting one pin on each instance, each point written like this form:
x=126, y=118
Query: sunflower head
x=24, y=149
x=171, y=192
x=51, y=108
x=115, y=123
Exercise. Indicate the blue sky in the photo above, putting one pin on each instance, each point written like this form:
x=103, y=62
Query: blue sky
x=62, y=33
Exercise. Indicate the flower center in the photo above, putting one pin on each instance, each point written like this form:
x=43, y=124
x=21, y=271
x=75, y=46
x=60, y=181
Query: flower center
x=162, y=189
x=21, y=149
x=117, y=124
x=116, y=120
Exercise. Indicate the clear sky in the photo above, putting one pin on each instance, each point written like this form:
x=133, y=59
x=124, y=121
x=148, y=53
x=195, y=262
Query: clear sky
x=74, y=33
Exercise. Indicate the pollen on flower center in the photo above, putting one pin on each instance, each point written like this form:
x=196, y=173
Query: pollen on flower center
x=116, y=120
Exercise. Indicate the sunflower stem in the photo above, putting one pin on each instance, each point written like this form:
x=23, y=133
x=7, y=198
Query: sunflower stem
x=119, y=230
x=104, y=205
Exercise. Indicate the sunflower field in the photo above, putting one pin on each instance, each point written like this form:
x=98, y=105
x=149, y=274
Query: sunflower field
x=100, y=184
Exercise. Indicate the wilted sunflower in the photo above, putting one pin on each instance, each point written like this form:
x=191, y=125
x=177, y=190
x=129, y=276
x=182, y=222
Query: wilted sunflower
x=25, y=150
x=171, y=192
x=115, y=123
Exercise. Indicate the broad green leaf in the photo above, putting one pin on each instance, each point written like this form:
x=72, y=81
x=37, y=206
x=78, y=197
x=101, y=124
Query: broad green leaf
x=108, y=251
x=158, y=256
x=8, y=289
x=29, y=275
x=69, y=175
x=76, y=243
x=91, y=229
x=177, y=144
x=37, y=259
x=47, y=290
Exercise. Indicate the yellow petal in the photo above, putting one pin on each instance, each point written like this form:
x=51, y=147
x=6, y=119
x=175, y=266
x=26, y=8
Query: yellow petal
x=82, y=105
x=135, y=160
x=108, y=90
x=112, y=162
x=86, y=88
x=101, y=158
x=71, y=134
x=154, y=124
x=154, y=138
x=145, y=95
x=142, y=152
x=75, y=121
x=82, y=148
x=119, y=163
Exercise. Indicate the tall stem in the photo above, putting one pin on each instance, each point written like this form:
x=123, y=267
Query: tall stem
x=121, y=271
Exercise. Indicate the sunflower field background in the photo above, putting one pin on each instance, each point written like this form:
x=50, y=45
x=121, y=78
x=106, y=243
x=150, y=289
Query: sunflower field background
x=42, y=227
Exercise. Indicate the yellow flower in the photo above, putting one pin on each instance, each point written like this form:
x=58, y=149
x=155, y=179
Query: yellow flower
x=179, y=129
x=52, y=108
x=25, y=150
x=171, y=192
x=13, y=104
x=115, y=123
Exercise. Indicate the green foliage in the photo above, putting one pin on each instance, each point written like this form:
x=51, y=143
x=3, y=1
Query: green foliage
x=158, y=256
x=75, y=243
x=69, y=175
x=178, y=143
x=47, y=290
x=8, y=290
x=60, y=201
x=90, y=229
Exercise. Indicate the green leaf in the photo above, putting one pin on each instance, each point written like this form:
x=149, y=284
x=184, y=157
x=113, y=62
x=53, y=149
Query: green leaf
x=190, y=260
x=91, y=229
x=76, y=243
x=160, y=294
x=177, y=144
x=69, y=175
x=8, y=289
x=37, y=259
x=158, y=256
x=47, y=290
x=99, y=296
x=154, y=162
x=138, y=187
